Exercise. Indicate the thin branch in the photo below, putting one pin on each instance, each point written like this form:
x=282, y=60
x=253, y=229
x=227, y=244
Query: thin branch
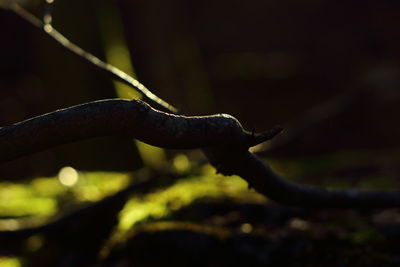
x=265, y=181
x=266, y=136
x=87, y=57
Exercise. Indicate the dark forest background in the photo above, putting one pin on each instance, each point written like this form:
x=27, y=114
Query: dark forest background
x=328, y=71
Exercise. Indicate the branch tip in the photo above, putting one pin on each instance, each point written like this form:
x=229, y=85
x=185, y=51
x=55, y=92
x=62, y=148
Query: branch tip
x=257, y=139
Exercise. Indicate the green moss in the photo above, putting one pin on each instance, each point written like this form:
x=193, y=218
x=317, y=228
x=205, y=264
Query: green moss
x=161, y=203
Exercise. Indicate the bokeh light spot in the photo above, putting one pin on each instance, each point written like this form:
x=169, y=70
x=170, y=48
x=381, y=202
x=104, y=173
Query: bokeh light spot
x=68, y=176
x=246, y=228
x=181, y=163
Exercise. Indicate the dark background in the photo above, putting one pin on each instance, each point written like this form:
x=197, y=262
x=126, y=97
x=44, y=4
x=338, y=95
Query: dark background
x=328, y=71
x=265, y=62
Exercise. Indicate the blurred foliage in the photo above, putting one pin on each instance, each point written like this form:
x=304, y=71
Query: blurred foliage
x=117, y=54
x=9, y=262
x=200, y=203
x=31, y=200
x=159, y=204
x=45, y=196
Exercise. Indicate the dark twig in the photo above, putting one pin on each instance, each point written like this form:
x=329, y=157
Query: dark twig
x=264, y=180
x=265, y=136
x=87, y=57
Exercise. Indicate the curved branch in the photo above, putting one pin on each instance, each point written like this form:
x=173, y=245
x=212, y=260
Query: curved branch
x=132, y=118
x=264, y=180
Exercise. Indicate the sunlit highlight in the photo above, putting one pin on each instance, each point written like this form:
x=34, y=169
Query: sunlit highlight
x=9, y=262
x=299, y=224
x=9, y=225
x=47, y=28
x=93, y=186
x=246, y=228
x=117, y=54
x=19, y=200
x=183, y=193
x=68, y=176
x=181, y=163
x=153, y=157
